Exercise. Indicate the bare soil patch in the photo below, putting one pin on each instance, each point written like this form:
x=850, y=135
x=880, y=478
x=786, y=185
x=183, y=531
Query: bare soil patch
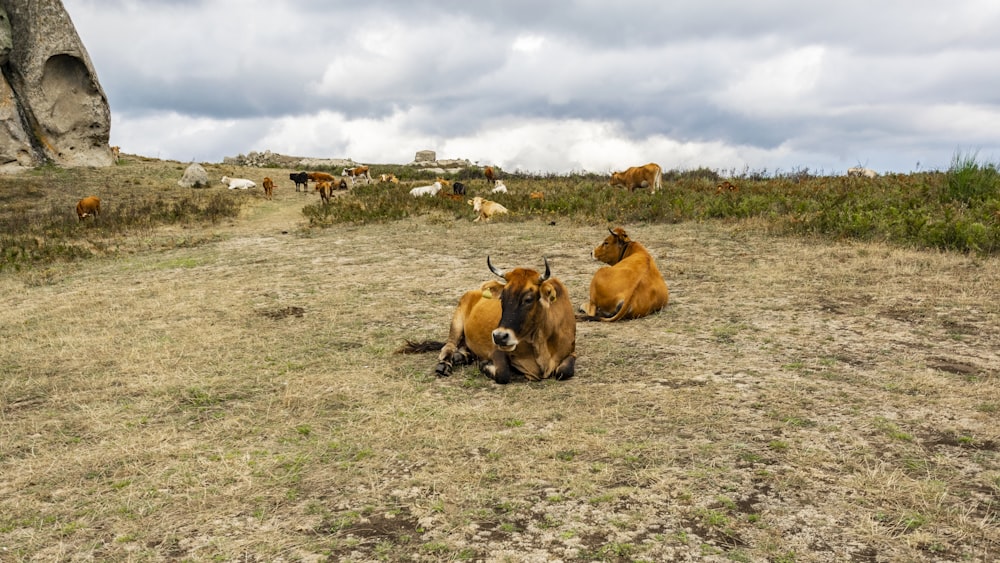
x=797, y=400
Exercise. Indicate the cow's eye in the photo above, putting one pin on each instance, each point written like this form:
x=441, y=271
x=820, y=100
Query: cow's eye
x=527, y=299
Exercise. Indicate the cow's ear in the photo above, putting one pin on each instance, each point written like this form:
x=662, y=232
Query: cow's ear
x=491, y=289
x=548, y=293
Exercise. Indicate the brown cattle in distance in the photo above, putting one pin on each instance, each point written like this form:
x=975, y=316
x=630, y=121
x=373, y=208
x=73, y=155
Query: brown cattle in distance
x=90, y=205
x=491, y=175
x=268, y=184
x=630, y=287
x=646, y=176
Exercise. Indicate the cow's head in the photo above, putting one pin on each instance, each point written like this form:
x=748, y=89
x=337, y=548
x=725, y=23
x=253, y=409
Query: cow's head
x=524, y=299
x=617, y=179
x=612, y=250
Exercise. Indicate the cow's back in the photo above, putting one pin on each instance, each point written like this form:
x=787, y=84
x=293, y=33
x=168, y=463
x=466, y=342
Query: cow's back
x=479, y=310
x=635, y=284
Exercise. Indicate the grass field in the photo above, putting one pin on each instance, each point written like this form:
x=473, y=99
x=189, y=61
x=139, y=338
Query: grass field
x=207, y=375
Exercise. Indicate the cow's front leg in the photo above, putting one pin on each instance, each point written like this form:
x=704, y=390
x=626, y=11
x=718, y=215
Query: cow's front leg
x=499, y=370
x=566, y=368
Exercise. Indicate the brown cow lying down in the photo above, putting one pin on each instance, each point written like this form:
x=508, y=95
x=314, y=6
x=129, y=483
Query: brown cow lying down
x=485, y=209
x=523, y=325
x=88, y=206
x=631, y=287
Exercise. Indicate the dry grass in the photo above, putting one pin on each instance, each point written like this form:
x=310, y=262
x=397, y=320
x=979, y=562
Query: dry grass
x=798, y=400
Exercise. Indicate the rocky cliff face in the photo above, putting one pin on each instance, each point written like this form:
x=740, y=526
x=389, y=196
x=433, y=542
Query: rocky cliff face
x=52, y=107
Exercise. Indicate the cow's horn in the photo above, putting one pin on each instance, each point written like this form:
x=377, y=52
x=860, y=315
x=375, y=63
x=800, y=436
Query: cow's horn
x=547, y=272
x=612, y=232
x=494, y=270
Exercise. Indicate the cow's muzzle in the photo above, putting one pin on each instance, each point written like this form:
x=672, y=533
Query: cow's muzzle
x=505, y=339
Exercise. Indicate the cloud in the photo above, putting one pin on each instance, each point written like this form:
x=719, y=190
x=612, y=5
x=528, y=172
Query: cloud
x=552, y=86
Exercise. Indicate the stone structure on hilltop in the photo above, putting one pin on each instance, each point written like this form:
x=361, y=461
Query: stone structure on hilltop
x=52, y=107
x=426, y=161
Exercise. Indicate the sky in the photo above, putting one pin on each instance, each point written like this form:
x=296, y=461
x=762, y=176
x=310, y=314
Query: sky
x=554, y=86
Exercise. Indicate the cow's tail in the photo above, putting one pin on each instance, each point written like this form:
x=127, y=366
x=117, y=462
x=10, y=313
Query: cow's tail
x=619, y=315
x=420, y=347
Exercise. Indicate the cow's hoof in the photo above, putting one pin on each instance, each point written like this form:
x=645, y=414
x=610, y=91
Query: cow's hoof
x=443, y=369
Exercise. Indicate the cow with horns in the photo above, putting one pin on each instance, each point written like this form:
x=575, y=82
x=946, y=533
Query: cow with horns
x=524, y=325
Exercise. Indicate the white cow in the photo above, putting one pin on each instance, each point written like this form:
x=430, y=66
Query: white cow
x=861, y=172
x=432, y=189
x=485, y=209
x=499, y=188
x=238, y=183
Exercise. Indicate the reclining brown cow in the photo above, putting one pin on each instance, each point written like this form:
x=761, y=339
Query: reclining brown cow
x=524, y=325
x=631, y=287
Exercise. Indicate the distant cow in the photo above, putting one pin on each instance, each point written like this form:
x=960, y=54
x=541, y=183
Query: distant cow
x=536, y=195
x=458, y=188
x=432, y=189
x=630, y=287
x=90, y=205
x=486, y=209
x=116, y=152
x=320, y=177
x=268, y=187
x=324, y=189
x=499, y=187
x=300, y=179
x=726, y=186
x=454, y=197
x=524, y=325
x=358, y=172
x=388, y=178
x=491, y=175
x=238, y=183
x=860, y=172
x=647, y=176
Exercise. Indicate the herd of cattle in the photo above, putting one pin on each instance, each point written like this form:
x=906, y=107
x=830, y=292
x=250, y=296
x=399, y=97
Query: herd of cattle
x=526, y=324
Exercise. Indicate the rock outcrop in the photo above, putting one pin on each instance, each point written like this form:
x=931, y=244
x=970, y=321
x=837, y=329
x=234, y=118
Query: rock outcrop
x=52, y=106
x=272, y=159
x=194, y=177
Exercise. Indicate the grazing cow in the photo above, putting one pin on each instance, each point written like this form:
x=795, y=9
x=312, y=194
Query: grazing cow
x=358, y=172
x=536, y=195
x=432, y=189
x=324, y=189
x=268, y=184
x=238, y=183
x=860, y=172
x=90, y=205
x=320, y=177
x=631, y=287
x=300, y=179
x=486, y=209
x=648, y=176
x=491, y=175
x=499, y=188
x=388, y=178
x=116, y=152
x=523, y=325
x=726, y=186
x=458, y=188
